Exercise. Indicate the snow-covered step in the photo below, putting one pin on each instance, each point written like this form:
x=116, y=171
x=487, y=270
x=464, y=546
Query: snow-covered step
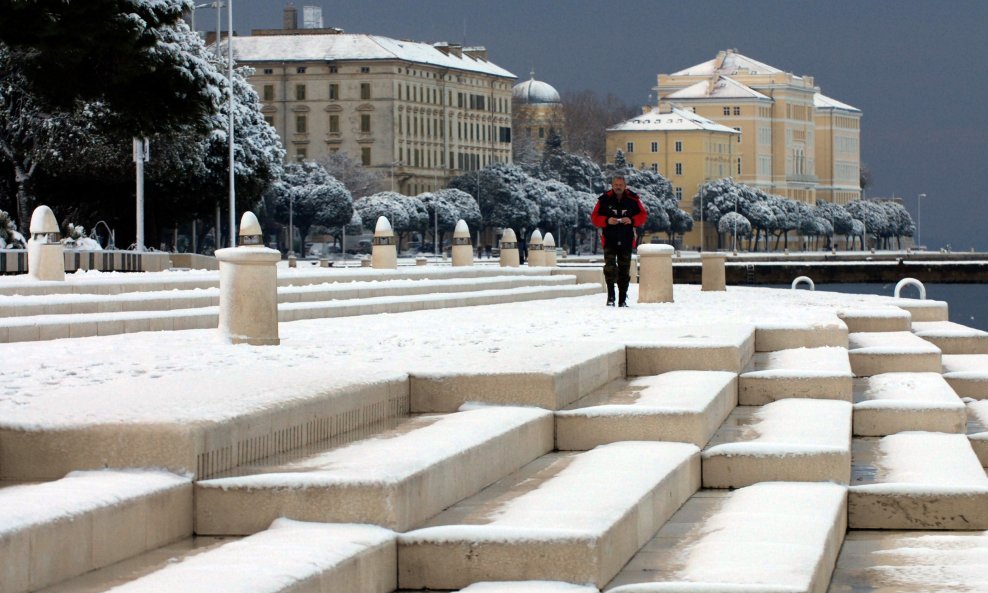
x=53, y=531
x=810, y=333
x=977, y=428
x=770, y=537
x=683, y=406
x=790, y=440
x=874, y=353
x=912, y=562
x=572, y=517
x=898, y=402
x=563, y=375
x=528, y=587
x=821, y=373
x=917, y=480
x=200, y=422
x=723, y=347
x=952, y=338
x=967, y=374
x=923, y=310
x=396, y=479
x=885, y=319
x=289, y=557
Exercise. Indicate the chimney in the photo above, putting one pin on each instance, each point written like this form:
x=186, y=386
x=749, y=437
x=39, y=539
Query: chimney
x=478, y=52
x=442, y=46
x=665, y=107
x=289, y=21
x=455, y=49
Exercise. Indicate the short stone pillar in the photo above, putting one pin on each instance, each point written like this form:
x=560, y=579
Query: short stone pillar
x=292, y=261
x=714, y=277
x=325, y=263
x=462, y=249
x=421, y=260
x=509, y=249
x=249, y=288
x=536, y=255
x=365, y=261
x=549, y=250
x=655, y=278
x=45, y=252
x=384, y=252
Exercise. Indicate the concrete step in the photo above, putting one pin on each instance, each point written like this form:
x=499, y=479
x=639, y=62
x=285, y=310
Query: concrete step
x=396, y=479
x=952, y=338
x=722, y=347
x=818, y=331
x=572, y=517
x=821, y=373
x=911, y=562
x=884, y=319
x=682, y=406
x=791, y=440
x=529, y=587
x=917, y=480
x=898, y=402
x=874, y=353
x=289, y=557
x=967, y=374
x=923, y=310
x=57, y=530
x=566, y=373
x=769, y=537
x=977, y=429
x=228, y=419
x=51, y=327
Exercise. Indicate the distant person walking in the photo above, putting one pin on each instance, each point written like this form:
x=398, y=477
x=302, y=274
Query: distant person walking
x=619, y=211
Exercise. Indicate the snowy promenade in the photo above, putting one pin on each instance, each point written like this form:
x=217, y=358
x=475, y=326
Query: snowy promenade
x=552, y=440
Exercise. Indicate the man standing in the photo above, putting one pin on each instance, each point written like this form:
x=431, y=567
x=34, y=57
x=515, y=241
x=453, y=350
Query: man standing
x=618, y=212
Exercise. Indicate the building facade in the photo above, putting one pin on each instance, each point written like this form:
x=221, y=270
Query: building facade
x=793, y=141
x=419, y=113
x=684, y=147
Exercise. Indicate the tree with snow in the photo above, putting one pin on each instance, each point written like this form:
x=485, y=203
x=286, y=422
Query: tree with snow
x=357, y=178
x=313, y=196
x=501, y=192
x=839, y=218
x=405, y=213
x=734, y=224
x=10, y=238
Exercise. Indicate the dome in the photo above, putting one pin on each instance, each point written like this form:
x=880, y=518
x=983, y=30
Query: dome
x=535, y=92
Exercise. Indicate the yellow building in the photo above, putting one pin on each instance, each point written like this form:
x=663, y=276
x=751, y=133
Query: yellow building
x=419, y=113
x=536, y=109
x=684, y=147
x=781, y=118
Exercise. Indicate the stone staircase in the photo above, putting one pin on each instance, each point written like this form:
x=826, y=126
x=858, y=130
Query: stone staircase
x=728, y=458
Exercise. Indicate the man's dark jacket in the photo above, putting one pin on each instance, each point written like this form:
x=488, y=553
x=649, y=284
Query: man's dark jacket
x=620, y=236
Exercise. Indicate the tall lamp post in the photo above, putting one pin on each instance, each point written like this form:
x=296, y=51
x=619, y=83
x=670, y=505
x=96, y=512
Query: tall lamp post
x=233, y=189
x=919, y=219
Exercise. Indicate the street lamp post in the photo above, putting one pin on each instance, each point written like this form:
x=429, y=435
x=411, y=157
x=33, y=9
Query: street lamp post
x=919, y=219
x=233, y=189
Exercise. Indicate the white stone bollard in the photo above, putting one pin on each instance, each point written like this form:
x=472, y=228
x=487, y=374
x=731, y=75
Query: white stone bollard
x=536, y=255
x=384, y=252
x=421, y=260
x=549, y=250
x=462, y=249
x=249, y=288
x=292, y=261
x=45, y=252
x=655, y=277
x=509, y=249
x=714, y=276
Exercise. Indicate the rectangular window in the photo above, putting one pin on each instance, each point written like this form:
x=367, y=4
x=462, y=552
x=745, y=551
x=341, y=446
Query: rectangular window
x=365, y=156
x=334, y=124
x=679, y=146
x=300, y=124
x=679, y=168
x=269, y=70
x=679, y=194
x=727, y=111
x=333, y=69
x=365, y=93
x=300, y=92
x=269, y=119
x=504, y=134
x=655, y=167
x=269, y=92
x=655, y=147
x=737, y=111
x=300, y=70
x=541, y=132
x=365, y=123
x=739, y=165
x=334, y=92
x=364, y=69
x=301, y=153
x=630, y=147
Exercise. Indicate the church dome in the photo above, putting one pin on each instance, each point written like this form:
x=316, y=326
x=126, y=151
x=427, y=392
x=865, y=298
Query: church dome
x=535, y=92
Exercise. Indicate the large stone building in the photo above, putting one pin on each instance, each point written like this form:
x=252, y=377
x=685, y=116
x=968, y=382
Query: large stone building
x=419, y=113
x=793, y=141
x=536, y=110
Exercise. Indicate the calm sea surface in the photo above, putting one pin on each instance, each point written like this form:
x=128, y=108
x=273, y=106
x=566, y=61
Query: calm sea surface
x=968, y=302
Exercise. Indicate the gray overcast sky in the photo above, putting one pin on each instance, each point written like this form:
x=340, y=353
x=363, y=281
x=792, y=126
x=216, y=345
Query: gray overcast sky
x=915, y=68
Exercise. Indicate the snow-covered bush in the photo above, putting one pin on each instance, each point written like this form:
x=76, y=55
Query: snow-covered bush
x=74, y=237
x=9, y=237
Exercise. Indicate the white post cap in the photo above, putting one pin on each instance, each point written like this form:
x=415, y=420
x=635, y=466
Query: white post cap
x=536, y=237
x=43, y=221
x=383, y=226
x=549, y=240
x=509, y=236
x=461, y=230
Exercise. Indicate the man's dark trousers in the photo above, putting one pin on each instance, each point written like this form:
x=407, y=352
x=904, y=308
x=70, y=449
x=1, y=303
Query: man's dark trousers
x=617, y=270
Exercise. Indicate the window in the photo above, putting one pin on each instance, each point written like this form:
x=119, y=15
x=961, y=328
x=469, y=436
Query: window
x=655, y=147
x=334, y=124
x=679, y=168
x=365, y=156
x=737, y=111
x=269, y=70
x=679, y=194
x=334, y=92
x=655, y=167
x=333, y=69
x=364, y=69
x=679, y=146
x=541, y=132
x=727, y=111
x=301, y=154
x=365, y=91
x=300, y=124
x=300, y=70
x=630, y=147
x=365, y=127
x=300, y=92
x=504, y=134
x=739, y=165
x=269, y=119
x=269, y=92
x=738, y=130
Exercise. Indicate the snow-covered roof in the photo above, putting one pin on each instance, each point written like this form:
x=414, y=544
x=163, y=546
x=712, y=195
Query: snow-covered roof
x=535, y=92
x=677, y=119
x=821, y=101
x=721, y=87
x=729, y=62
x=309, y=48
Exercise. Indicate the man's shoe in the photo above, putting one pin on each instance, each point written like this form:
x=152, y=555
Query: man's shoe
x=623, y=304
x=610, y=301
